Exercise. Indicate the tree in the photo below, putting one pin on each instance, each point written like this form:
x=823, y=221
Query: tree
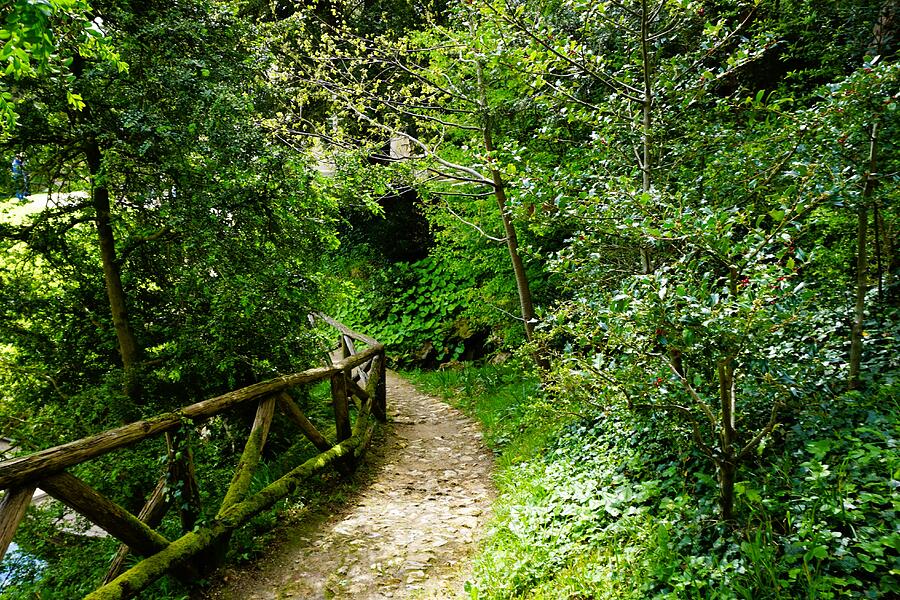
x=204, y=227
x=41, y=39
x=727, y=180
x=883, y=42
x=443, y=83
x=177, y=255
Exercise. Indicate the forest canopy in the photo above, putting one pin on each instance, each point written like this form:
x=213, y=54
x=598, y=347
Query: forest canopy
x=676, y=219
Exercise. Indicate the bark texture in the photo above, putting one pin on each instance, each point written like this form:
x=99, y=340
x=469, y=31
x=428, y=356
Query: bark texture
x=128, y=346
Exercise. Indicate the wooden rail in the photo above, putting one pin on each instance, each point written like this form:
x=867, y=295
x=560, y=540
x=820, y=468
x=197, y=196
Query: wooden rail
x=357, y=375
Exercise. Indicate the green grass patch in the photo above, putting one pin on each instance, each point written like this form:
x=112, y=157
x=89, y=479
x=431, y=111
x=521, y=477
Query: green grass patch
x=500, y=398
x=618, y=505
x=15, y=211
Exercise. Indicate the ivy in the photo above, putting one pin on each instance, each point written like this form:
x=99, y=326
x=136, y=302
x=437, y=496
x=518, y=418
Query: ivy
x=418, y=310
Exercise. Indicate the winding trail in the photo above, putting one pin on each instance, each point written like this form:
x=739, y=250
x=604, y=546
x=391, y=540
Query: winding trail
x=409, y=533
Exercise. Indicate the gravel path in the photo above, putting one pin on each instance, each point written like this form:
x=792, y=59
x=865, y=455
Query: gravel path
x=409, y=533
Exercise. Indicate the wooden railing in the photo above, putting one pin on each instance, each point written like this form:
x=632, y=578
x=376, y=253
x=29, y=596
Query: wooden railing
x=354, y=375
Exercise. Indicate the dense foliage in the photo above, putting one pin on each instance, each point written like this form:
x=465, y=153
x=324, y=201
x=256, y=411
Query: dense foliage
x=704, y=194
x=678, y=216
x=617, y=505
x=169, y=251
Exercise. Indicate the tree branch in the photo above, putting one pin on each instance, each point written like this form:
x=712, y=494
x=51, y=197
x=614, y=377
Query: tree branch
x=473, y=225
x=713, y=422
x=695, y=425
x=773, y=420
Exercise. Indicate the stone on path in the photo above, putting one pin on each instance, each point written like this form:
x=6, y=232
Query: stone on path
x=410, y=533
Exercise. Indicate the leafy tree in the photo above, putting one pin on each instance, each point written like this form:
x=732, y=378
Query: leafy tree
x=177, y=254
x=727, y=180
x=885, y=31
x=199, y=233
x=41, y=39
x=445, y=83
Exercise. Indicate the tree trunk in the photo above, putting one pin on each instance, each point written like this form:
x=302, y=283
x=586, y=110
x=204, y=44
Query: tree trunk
x=727, y=464
x=647, y=103
x=128, y=347
x=861, y=288
x=727, y=471
x=647, y=123
x=862, y=263
x=512, y=244
x=512, y=241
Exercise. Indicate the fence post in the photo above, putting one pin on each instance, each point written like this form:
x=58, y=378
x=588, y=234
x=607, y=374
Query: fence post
x=341, y=404
x=12, y=509
x=250, y=457
x=105, y=513
x=183, y=477
x=381, y=388
x=290, y=408
x=152, y=514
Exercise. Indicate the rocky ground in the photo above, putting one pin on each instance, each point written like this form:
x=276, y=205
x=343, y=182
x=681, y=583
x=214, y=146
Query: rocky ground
x=409, y=532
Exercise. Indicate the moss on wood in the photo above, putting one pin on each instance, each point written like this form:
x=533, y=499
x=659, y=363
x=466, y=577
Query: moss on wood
x=150, y=569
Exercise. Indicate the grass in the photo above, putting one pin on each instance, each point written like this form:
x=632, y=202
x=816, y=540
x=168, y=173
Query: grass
x=14, y=211
x=499, y=398
x=618, y=505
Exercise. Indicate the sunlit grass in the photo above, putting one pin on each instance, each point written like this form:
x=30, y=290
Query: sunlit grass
x=500, y=398
x=14, y=211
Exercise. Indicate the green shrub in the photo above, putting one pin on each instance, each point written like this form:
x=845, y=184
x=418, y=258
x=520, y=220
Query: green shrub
x=415, y=309
x=619, y=505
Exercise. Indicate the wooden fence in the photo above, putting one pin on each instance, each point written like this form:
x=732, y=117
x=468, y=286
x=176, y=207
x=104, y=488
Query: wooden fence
x=354, y=375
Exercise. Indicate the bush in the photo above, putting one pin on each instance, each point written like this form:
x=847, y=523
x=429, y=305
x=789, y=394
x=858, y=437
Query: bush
x=417, y=310
x=618, y=504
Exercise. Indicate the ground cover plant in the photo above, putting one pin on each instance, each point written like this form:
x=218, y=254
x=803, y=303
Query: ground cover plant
x=616, y=504
x=676, y=221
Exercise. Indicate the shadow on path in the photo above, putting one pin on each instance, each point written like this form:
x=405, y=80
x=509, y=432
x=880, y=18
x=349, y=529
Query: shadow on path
x=409, y=533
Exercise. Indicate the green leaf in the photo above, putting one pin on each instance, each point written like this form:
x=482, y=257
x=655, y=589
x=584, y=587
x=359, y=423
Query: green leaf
x=819, y=552
x=820, y=448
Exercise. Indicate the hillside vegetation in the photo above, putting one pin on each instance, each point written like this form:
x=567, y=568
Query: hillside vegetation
x=652, y=245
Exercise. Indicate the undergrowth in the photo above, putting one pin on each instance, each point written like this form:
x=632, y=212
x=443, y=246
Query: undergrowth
x=58, y=564
x=618, y=505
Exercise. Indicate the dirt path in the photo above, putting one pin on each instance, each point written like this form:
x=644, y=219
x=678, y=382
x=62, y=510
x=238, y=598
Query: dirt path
x=409, y=533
